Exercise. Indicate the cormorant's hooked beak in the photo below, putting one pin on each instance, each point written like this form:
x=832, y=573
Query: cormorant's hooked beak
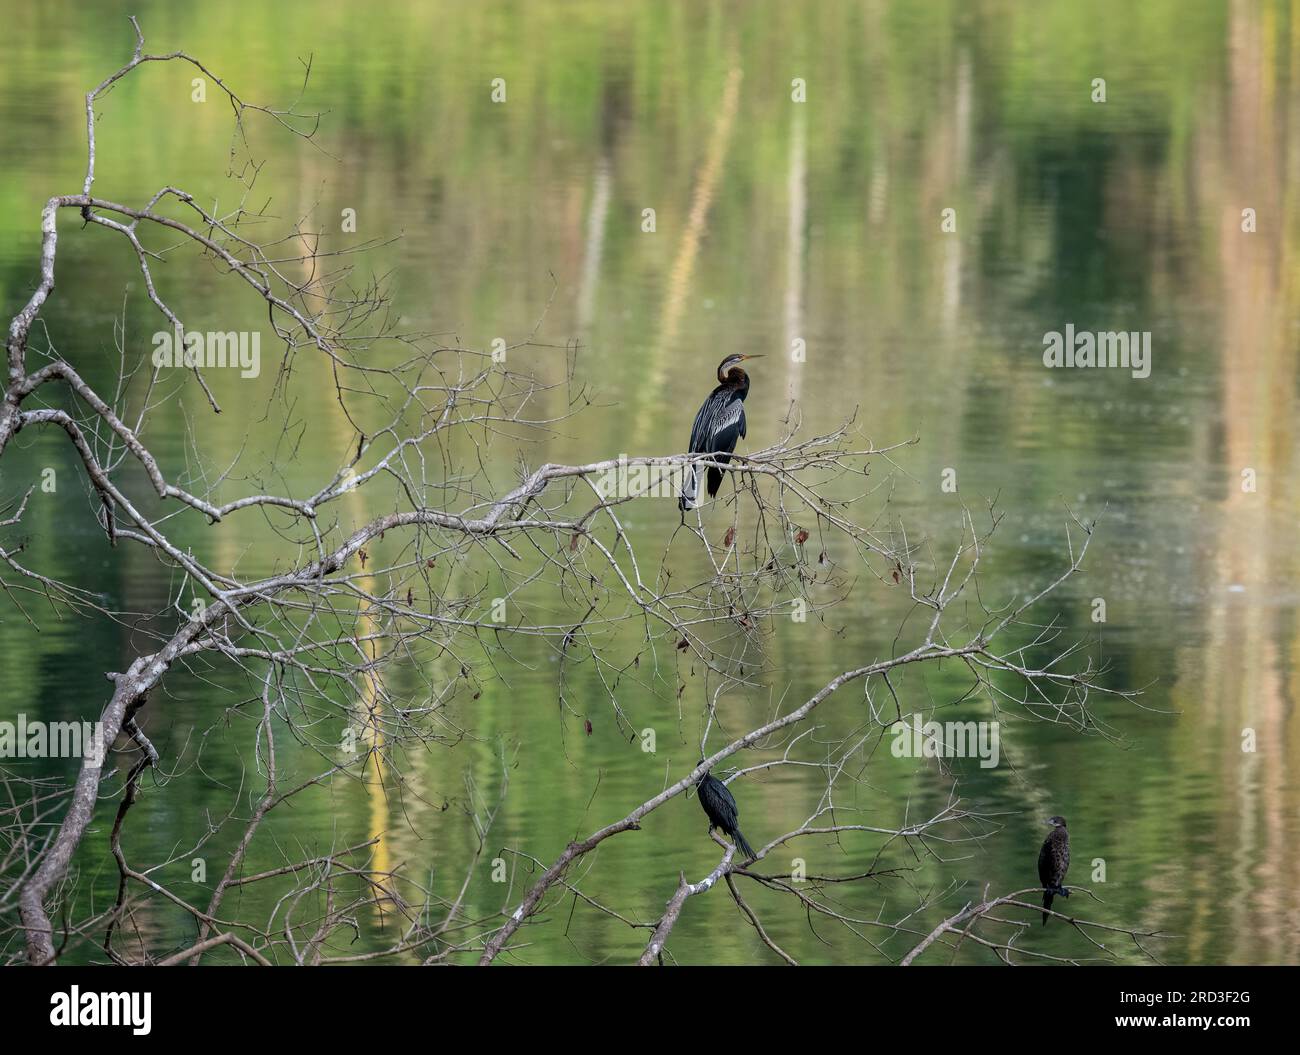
x=760, y=355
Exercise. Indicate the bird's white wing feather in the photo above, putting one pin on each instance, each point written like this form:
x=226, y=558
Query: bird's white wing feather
x=715, y=418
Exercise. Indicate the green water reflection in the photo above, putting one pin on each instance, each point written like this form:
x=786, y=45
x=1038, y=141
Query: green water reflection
x=774, y=222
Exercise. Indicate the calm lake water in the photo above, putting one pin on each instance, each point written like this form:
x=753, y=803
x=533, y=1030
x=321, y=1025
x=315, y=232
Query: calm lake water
x=775, y=221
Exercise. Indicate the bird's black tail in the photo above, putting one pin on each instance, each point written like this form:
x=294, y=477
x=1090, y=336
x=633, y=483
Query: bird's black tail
x=743, y=846
x=690, y=489
x=715, y=476
x=1047, y=903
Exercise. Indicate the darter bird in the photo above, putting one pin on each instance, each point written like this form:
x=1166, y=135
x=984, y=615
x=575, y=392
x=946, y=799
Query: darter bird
x=718, y=425
x=720, y=806
x=1054, y=862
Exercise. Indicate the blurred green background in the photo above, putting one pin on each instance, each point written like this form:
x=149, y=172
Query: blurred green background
x=775, y=221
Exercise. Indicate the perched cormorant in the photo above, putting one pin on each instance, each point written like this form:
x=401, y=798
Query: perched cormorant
x=1054, y=862
x=718, y=425
x=721, y=809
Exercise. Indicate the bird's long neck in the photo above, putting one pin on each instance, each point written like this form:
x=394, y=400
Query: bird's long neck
x=735, y=378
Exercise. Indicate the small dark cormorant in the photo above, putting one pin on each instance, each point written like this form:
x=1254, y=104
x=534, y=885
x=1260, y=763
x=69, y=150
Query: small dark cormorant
x=720, y=806
x=1054, y=862
x=718, y=425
